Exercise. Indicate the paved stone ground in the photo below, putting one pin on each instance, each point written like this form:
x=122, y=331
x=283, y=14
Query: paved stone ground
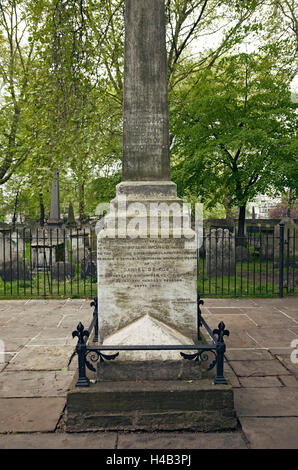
x=38, y=367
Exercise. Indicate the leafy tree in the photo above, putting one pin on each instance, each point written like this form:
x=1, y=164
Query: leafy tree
x=61, y=72
x=234, y=128
x=16, y=58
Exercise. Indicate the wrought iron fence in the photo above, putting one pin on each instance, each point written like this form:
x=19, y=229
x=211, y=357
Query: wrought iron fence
x=261, y=263
x=48, y=263
x=62, y=263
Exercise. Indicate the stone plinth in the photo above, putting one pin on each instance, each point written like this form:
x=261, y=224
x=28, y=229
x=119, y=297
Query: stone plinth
x=151, y=406
x=147, y=266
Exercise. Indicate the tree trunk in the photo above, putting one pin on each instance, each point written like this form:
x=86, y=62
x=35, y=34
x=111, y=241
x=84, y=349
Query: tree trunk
x=14, y=218
x=41, y=207
x=82, y=214
x=229, y=214
x=241, y=225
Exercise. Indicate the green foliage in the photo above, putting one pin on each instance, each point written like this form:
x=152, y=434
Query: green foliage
x=235, y=129
x=61, y=82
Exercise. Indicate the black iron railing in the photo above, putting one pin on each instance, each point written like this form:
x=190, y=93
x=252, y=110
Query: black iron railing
x=261, y=263
x=95, y=353
x=63, y=263
x=48, y=263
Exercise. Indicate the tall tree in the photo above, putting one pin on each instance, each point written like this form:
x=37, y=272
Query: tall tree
x=233, y=129
x=16, y=58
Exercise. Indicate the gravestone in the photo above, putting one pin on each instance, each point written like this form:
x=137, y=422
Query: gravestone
x=15, y=270
x=220, y=253
x=61, y=270
x=290, y=243
x=89, y=265
x=70, y=217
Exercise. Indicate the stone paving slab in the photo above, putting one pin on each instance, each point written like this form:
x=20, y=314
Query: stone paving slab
x=70, y=322
x=231, y=376
x=292, y=367
x=274, y=301
x=248, y=354
x=263, y=318
x=237, y=321
x=260, y=382
x=16, y=331
x=41, y=358
x=6, y=357
x=271, y=433
x=285, y=351
x=181, y=441
x=235, y=303
x=271, y=337
x=289, y=380
x=258, y=368
x=39, y=320
x=6, y=317
x=23, y=384
x=262, y=402
x=30, y=414
x=13, y=345
x=222, y=311
x=59, y=441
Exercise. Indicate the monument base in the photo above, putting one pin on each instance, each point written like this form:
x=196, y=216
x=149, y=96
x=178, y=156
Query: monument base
x=155, y=405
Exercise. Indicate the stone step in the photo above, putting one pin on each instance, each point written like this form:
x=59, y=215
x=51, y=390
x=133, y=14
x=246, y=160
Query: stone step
x=165, y=405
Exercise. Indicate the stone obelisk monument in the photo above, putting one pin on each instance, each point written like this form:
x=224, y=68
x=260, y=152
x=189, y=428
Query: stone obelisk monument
x=146, y=254
x=145, y=122
x=147, y=269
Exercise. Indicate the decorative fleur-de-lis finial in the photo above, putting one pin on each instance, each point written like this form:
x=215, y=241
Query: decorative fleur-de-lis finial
x=221, y=332
x=80, y=333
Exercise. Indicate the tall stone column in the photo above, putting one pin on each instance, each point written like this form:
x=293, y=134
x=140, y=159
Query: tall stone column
x=54, y=217
x=145, y=116
x=146, y=254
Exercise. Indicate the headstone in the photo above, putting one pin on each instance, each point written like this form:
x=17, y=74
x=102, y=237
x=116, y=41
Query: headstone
x=15, y=271
x=146, y=262
x=89, y=266
x=42, y=255
x=220, y=252
x=62, y=270
x=70, y=217
x=11, y=246
x=54, y=217
x=290, y=243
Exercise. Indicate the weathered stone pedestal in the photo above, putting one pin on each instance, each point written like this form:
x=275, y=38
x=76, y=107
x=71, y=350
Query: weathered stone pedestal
x=147, y=267
x=168, y=405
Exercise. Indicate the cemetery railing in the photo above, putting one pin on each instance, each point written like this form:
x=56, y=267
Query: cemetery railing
x=197, y=352
x=59, y=262
x=263, y=262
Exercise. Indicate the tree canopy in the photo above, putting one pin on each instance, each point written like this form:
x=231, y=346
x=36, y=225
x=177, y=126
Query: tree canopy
x=61, y=85
x=234, y=131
